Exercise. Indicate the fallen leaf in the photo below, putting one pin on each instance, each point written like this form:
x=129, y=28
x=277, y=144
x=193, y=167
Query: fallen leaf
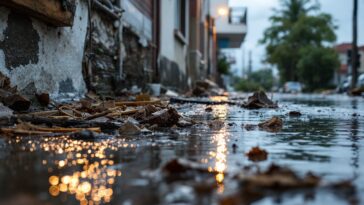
x=257, y=154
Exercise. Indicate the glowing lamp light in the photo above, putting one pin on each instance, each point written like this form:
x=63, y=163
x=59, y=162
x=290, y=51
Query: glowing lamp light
x=222, y=11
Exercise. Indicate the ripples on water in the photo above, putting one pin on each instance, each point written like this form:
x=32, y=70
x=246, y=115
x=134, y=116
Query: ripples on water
x=327, y=139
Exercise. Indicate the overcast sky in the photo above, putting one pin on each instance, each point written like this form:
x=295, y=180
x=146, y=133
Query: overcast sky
x=260, y=10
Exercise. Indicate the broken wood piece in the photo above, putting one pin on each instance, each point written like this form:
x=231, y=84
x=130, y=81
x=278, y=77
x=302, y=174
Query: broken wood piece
x=137, y=103
x=50, y=11
x=200, y=101
x=9, y=131
x=104, y=126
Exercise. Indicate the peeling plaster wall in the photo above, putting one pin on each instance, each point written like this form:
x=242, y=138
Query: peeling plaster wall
x=40, y=58
x=173, y=53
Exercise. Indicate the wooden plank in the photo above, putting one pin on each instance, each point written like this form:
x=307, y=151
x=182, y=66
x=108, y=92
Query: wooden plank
x=49, y=11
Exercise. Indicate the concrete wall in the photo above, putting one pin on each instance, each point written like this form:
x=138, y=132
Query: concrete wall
x=40, y=58
x=173, y=52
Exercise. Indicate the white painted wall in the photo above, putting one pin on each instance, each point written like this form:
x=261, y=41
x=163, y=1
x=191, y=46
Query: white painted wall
x=60, y=57
x=222, y=22
x=171, y=47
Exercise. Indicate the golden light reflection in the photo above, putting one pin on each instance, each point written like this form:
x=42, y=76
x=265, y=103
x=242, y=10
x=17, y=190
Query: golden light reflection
x=83, y=169
x=220, y=139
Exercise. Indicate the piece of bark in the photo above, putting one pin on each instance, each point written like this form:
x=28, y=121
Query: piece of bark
x=105, y=126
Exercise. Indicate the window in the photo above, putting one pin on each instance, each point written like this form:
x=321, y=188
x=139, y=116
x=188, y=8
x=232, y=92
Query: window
x=180, y=16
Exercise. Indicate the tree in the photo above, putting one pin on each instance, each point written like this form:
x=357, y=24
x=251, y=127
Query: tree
x=316, y=59
x=295, y=28
x=259, y=80
x=223, y=66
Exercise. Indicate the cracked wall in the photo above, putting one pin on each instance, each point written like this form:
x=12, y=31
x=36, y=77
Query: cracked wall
x=40, y=58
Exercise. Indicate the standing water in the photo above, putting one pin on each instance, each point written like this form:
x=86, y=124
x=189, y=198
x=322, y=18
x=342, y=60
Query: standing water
x=327, y=140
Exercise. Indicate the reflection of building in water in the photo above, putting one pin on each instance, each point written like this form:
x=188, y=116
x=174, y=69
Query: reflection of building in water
x=83, y=169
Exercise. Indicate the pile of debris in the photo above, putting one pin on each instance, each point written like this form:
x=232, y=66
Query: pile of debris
x=206, y=88
x=93, y=114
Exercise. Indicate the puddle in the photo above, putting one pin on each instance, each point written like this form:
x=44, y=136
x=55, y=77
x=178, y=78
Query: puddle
x=327, y=140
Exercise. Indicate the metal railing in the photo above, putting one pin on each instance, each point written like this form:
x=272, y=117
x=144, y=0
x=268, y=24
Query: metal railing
x=238, y=15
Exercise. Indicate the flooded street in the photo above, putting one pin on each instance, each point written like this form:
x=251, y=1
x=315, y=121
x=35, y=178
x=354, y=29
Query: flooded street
x=327, y=140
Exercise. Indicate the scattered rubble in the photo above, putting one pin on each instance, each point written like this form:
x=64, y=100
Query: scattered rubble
x=274, y=124
x=206, y=88
x=257, y=154
x=163, y=118
x=129, y=128
x=259, y=100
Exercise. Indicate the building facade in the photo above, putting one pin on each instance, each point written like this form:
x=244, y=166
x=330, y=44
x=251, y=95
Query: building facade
x=68, y=47
x=344, y=71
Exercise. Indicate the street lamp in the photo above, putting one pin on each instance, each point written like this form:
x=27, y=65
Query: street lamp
x=222, y=11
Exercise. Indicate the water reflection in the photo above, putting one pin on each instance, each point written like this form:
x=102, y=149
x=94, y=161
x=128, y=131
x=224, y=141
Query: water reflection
x=85, y=170
x=219, y=138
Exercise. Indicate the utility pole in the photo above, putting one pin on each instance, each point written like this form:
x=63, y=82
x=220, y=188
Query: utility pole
x=250, y=63
x=354, y=54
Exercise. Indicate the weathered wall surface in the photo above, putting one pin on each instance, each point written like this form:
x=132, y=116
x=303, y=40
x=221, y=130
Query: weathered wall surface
x=173, y=52
x=40, y=58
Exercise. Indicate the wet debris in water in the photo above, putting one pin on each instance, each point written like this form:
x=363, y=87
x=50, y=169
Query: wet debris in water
x=84, y=135
x=129, y=128
x=274, y=124
x=278, y=178
x=259, y=100
x=182, y=169
x=216, y=124
x=25, y=128
x=163, y=118
x=294, y=114
x=257, y=154
x=235, y=147
x=249, y=127
x=209, y=109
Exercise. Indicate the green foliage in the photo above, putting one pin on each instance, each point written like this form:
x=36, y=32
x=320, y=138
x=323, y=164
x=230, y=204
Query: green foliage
x=223, y=66
x=258, y=80
x=317, y=66
x=296, y=28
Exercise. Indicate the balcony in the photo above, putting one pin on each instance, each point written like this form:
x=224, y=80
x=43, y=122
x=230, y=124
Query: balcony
x=231, y=28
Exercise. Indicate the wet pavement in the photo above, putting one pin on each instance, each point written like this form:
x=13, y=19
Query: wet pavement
x=326, y=139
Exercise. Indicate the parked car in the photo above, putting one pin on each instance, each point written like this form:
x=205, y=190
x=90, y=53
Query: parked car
x=361, y=81
x=292, y=87
x=344, y=86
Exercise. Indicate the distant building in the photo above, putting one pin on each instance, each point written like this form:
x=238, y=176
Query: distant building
x=344, y=70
